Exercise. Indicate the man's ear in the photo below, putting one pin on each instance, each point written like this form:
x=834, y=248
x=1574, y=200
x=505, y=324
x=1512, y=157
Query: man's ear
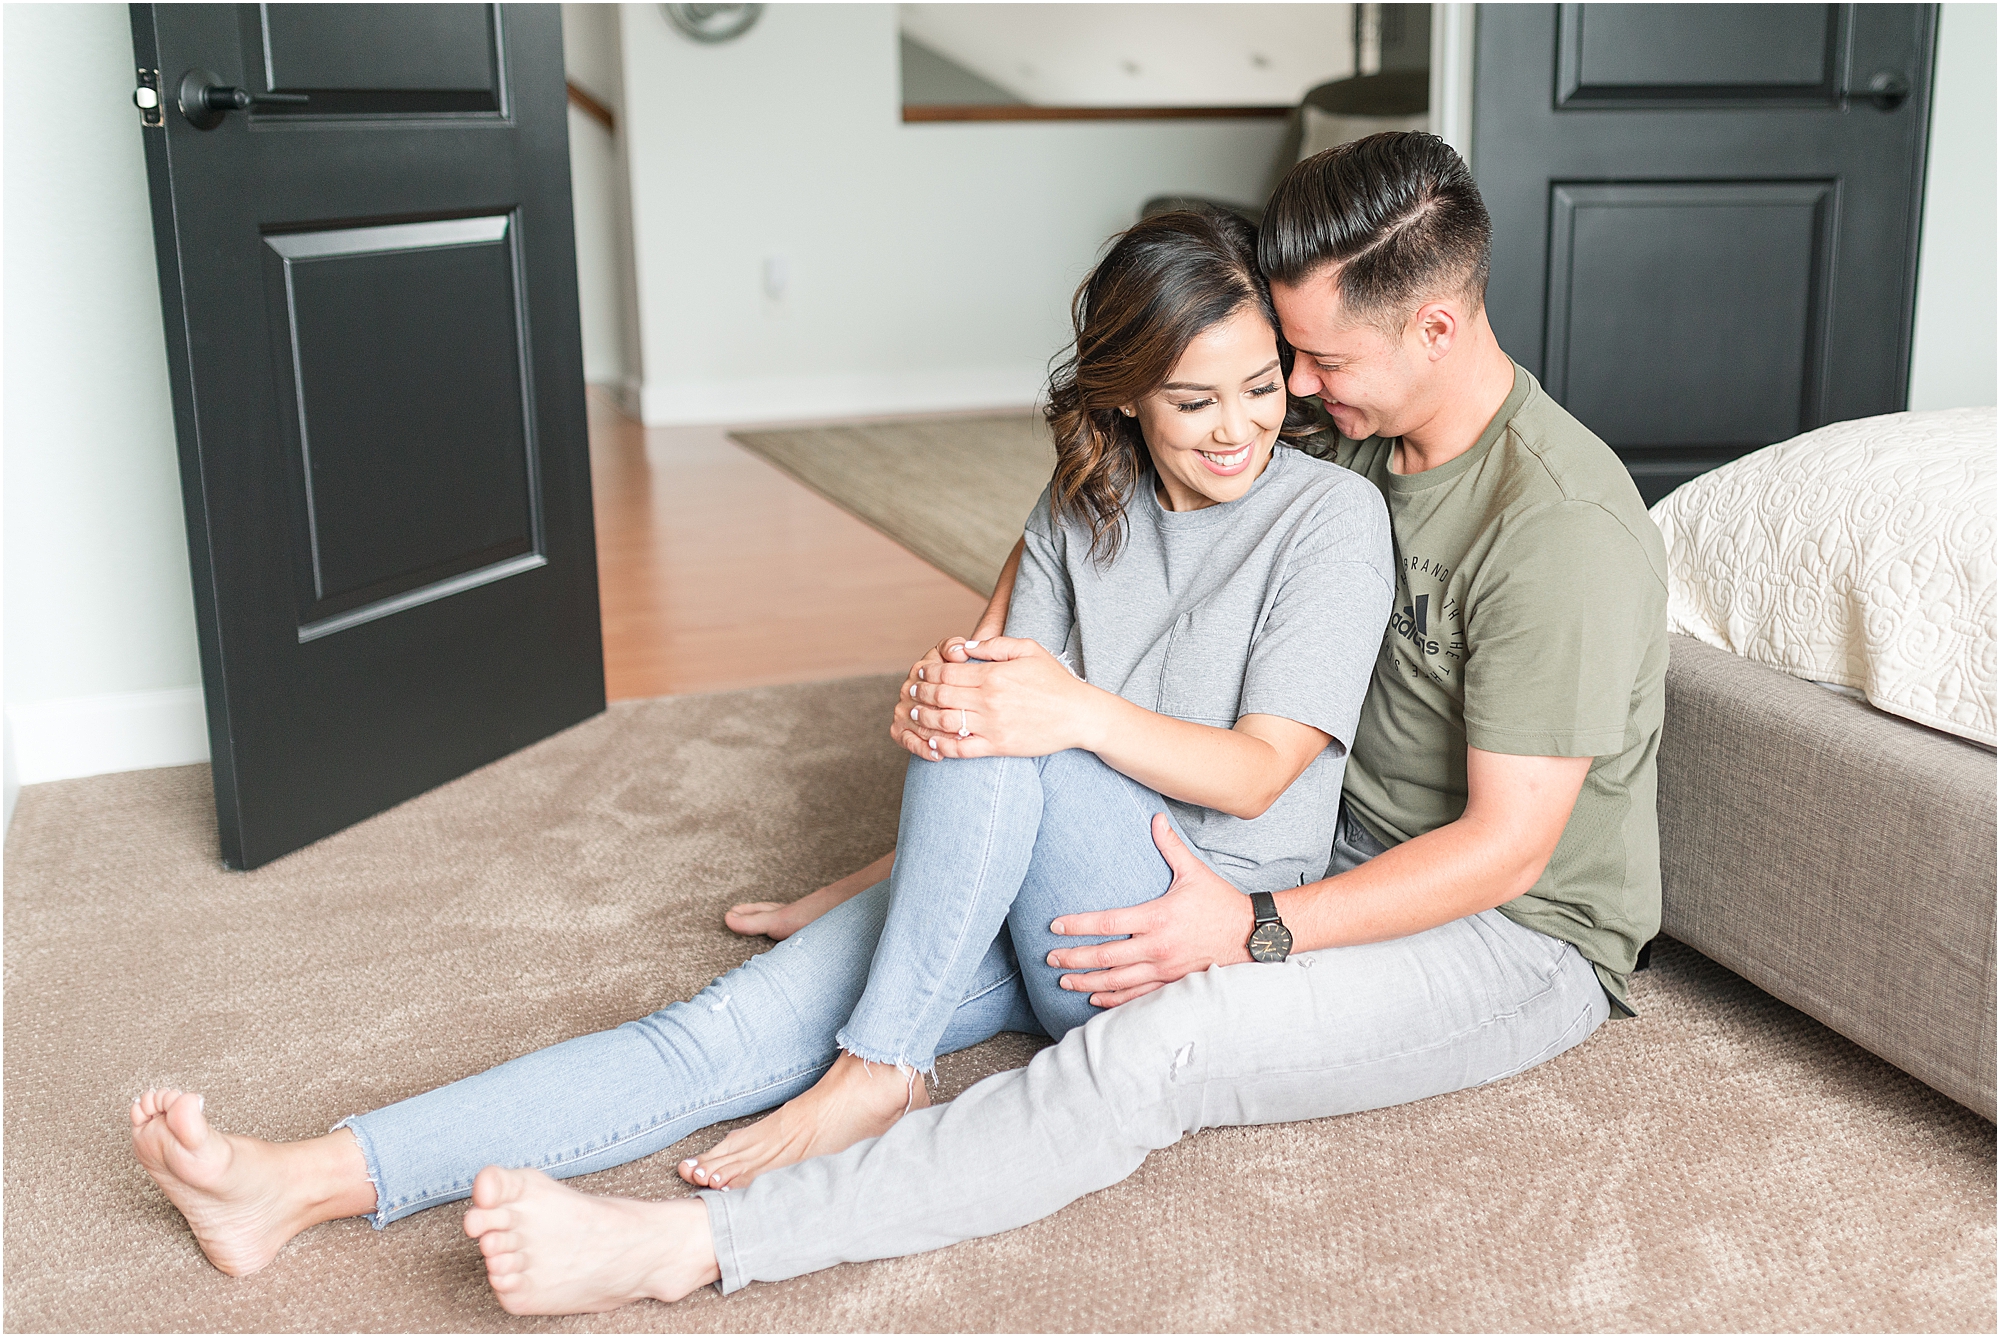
x=1437, y=325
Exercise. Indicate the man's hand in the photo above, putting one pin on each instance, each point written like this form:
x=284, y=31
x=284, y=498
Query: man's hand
x=1202, y=921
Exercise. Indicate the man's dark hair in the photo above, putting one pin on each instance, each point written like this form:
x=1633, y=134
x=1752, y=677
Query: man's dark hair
x=1397, y=211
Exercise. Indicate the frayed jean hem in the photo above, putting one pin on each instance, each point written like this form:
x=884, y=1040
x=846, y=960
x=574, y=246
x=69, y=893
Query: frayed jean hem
x=377, y=1218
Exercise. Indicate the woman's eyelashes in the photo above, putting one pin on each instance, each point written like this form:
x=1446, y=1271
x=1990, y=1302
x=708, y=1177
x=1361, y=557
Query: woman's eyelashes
x=1197, y=405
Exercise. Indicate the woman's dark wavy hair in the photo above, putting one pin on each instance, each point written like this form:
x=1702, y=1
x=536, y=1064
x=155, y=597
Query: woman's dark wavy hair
x=1160, y=285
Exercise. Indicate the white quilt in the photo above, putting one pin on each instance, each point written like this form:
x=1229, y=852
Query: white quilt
x=1859, y=554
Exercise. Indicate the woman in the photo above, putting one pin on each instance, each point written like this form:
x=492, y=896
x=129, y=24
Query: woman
x=1210, y=606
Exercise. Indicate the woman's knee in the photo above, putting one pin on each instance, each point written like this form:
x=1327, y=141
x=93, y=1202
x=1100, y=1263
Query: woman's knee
x=920, y=776
x=1059, y=1010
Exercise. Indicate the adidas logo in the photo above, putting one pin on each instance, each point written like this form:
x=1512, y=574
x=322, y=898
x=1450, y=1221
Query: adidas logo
x=1413, y=624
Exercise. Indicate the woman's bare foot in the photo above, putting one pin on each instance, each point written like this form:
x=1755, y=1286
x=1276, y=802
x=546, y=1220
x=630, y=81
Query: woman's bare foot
x=244, y=1197
x=776, y=920
x=853, y=1102
x=779, y=920
x=552, y=1250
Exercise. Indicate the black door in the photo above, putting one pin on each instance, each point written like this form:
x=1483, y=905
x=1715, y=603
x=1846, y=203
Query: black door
x=369, y=284
x=1704, y=215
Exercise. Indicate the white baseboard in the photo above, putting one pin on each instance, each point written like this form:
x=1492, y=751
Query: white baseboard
x=627, y=391
x=787, y=399
x=119, y=731
x=13, y=781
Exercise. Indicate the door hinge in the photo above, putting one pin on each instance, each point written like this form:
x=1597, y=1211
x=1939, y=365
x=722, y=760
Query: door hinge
x=146, y=97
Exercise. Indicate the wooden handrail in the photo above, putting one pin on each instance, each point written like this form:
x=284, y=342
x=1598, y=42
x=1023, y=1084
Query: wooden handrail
x=592, y=108
x=1018, y=112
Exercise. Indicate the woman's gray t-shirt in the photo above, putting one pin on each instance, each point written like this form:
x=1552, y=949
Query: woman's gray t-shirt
x=1272, y=604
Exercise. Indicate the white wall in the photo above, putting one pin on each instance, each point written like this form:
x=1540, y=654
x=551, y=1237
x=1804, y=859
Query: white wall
x=597, y=186
x=101, y=671
x=1453, y=27
x=1952, y=355
x=924, y=266
x=929, y=265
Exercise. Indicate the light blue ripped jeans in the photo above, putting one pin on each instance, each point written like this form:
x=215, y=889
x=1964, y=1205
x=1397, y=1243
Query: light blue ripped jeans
x=1330, y=1032
x=946, y=953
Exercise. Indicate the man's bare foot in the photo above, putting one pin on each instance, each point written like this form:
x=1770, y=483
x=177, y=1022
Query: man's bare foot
x=552, y=1250
x=853, y=1102
x=244, y=1197
x=776, y=920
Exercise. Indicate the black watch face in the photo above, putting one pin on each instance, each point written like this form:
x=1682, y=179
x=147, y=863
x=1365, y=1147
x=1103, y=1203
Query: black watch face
x=1270, y=942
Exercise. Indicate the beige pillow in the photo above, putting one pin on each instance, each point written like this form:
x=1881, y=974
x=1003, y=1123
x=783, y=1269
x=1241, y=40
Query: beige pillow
x=1321, y=130
x=1860, y=554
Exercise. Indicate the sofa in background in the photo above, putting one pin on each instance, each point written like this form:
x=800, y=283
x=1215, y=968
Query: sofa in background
x=1840, y=858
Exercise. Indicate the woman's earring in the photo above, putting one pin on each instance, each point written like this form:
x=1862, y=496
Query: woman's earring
x=1130, y=413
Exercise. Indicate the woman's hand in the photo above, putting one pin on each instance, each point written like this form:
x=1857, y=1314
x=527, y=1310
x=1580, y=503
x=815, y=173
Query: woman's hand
x=1008, y=698
x=950, y=650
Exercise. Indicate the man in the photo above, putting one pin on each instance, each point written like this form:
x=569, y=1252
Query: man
x=1496, y=869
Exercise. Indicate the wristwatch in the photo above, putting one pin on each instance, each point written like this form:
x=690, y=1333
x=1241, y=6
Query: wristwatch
x=1270, y=940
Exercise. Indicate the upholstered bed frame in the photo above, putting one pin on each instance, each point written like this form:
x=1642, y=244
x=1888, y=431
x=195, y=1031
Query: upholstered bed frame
x=1840, y=858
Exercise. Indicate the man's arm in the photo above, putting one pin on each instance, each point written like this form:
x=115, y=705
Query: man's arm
x=1515, y=812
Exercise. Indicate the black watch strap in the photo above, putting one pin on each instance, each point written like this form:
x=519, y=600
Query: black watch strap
x=1263, y=908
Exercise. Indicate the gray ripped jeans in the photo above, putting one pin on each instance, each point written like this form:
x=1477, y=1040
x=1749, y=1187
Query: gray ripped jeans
x=1327, y=1032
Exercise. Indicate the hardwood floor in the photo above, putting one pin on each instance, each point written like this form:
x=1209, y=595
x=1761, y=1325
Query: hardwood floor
x=717, y=571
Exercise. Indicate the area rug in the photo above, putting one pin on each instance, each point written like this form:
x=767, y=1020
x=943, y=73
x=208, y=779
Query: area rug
x=953, y=490
x=1722, y=1163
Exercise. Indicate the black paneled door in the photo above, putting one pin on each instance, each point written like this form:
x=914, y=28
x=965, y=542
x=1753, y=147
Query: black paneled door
x=362, y=217
x=1704, y=215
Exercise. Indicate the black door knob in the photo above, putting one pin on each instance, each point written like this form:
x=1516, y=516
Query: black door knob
x=205, y=99
x=1887, y=89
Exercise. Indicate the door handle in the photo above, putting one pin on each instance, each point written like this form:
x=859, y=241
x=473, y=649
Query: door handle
x=1887, y=89
x=205, y=99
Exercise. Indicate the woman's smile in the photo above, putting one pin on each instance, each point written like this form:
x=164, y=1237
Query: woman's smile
x=1226, y=465
x=1211, y=427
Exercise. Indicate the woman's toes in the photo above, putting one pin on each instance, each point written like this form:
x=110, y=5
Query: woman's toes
x=483, y=1221
x=493, y=1243
x=186, y=1122
x=755, y=918
x=496, y=1186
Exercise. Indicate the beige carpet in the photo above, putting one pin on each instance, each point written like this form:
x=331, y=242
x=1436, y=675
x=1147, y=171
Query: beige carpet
x=953, y=490
x=1722, y=1163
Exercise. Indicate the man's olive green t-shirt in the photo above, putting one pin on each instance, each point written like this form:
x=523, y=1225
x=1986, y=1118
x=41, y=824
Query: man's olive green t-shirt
x=1529, y=619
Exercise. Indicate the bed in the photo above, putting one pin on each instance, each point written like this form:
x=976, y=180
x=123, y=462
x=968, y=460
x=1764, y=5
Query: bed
x=1827, y=796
